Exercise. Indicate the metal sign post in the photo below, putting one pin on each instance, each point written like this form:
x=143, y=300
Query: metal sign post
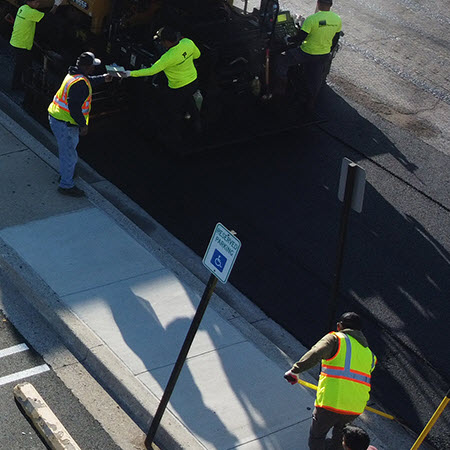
x=218, y=262
x=351, y=192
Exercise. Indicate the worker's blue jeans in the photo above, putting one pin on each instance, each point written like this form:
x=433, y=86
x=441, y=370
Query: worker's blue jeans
x=67, y=137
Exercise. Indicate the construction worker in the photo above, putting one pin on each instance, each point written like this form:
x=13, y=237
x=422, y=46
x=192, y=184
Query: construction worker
x=69, y=116
x=178, y=65
x=355, y=438
x=344, y=382
x=22, y=39
x=317, y=36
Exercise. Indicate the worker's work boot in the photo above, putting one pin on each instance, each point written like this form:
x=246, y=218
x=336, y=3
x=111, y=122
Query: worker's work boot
x=72, y=192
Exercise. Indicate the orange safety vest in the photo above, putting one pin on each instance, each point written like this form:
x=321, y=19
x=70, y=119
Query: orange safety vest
x=344, y=382
x=59, y=107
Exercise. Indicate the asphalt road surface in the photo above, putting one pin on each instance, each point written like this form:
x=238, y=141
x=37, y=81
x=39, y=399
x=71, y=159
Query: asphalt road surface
x=20, y=363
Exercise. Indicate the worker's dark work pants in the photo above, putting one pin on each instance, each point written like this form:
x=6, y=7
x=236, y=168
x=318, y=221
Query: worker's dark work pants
x=323, y=420
x=22, y=68
x=179, y=102
x=312, y=64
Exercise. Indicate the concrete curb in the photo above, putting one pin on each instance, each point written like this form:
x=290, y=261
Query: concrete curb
x=43, y=418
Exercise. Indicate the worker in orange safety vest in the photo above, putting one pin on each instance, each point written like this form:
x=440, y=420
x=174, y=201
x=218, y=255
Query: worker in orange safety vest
x=344, y=382
x=68, y=115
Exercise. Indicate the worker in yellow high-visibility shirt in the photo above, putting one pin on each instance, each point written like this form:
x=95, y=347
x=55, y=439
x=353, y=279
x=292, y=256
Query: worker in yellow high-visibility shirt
x=22, y=38
x=344, y=382
x=178, y=65
x=317, y=36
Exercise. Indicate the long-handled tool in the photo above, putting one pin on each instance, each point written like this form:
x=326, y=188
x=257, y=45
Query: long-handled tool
x=376, y=411
x=432, y=421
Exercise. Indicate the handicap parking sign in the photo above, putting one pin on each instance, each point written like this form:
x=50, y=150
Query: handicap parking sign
x=221, y=254
x=218, y=260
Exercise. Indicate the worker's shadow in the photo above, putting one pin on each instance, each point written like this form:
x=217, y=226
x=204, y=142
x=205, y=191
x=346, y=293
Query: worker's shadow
x=152, y=340
x=155, y=347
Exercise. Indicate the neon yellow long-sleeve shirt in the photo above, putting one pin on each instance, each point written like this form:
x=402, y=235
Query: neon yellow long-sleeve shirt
x=177, y=63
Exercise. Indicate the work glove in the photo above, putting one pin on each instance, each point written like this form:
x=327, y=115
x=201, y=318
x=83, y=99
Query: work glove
x=291, y=377
x=126, y=74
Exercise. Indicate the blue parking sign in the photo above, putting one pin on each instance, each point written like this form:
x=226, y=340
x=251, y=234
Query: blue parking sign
x=221, y=253
x=218, y=260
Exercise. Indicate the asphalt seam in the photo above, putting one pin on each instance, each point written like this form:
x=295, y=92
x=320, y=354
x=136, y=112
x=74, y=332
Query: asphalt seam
x=390, y=172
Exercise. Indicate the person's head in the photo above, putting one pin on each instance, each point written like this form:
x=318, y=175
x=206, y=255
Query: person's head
x=355, y=438
x=169, y=36
x=87, y=61
x=33, y=3
x=349, y=320
x=324, y=5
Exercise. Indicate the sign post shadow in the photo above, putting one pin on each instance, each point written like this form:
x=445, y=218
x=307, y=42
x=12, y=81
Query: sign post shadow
x=219, y=259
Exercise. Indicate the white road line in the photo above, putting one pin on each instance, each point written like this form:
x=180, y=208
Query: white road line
x=14, y=349
x=23, y=374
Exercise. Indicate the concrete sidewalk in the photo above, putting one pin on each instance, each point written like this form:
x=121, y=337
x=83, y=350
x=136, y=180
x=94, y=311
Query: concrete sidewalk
x=122, y=299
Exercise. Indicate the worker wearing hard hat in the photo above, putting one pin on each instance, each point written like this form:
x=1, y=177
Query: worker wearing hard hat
x=317, y=36
x=344, y=382
x=22, y=38
x=178, y=65
x=69, y=116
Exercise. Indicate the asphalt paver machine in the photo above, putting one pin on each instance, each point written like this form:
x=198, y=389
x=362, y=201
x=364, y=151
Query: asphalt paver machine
x=238, y=49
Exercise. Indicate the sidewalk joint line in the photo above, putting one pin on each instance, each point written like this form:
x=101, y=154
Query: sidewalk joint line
x=192, y=357
x=111, y=283
x=269, y=434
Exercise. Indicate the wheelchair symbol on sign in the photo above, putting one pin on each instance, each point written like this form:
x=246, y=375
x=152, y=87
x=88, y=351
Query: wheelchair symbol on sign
x=218, y=260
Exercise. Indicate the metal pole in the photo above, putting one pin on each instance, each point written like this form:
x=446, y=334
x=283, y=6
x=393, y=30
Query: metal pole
x=180, y=361
x=349, y=184
x=432, y=421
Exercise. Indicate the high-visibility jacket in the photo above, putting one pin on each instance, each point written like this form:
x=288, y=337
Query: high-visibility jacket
x=59, y=107
x=344, y=382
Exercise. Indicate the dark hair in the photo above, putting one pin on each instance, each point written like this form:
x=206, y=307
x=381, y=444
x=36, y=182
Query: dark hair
x=169, y=34
x=326, y=2
x=351, y=320
x=355, y=438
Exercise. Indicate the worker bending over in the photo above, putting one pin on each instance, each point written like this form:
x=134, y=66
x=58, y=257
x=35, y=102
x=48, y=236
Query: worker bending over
x=22, y=39
x=344, y=382
x=178, y=65
x=317, y=36
x=68, y=115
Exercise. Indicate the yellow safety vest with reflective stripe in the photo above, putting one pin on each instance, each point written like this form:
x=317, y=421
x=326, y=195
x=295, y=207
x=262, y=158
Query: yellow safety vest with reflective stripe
x=59, y=107
x=344, y=382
